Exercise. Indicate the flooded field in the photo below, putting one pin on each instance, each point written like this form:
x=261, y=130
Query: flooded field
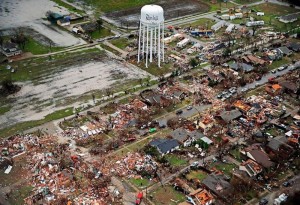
x=31, y=14
x=46, y=93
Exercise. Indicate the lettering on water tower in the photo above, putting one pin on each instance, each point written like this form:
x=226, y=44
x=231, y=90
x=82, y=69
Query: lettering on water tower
x=151, y=17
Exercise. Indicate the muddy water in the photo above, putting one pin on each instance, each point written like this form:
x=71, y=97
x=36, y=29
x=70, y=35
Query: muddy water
x=29, y=13
x=35, y=101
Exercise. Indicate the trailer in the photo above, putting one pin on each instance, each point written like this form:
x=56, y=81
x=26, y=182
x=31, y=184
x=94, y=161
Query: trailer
x=255, y=23
x=183, y=43
x=230, y=28
x=218, y=25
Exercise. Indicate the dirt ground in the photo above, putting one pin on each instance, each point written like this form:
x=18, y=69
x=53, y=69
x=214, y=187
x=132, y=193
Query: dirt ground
x=40, y=97
x=172, y=9
x=31, y=14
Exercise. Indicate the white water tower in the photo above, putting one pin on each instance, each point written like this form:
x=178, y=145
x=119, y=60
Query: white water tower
x=151, y=34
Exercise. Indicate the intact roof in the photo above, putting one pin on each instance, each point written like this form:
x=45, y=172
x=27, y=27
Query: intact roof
x=294, y=46
x=284, y=50
x=9, y=45
x=289, y=17
x=227, y=116
x=276, y=142
x=196, y=134
x=217, y=184
x=261, y=158
x=207, y=140
x=244, y=66
x=179, y=134
x=164, y=145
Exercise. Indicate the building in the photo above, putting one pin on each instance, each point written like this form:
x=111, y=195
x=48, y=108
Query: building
x=238, y=15
x=289, y=87
x=230, y=28
x=228, y=116
x=218, y=25
x=254, y=60
x=202, y=197
x=63, y=22
x=10, y=49
x=241, y=66
x=255, y=153
x=165, y=146
x=183, y=43
x=218, y=185
x=285, y=51
x=251, y=167
x=255, y=23
x=151, y=34
x=289, y=18
x=260, y=13
x=274, y=89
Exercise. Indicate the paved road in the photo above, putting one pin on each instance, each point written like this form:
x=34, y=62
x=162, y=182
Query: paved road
x=265, y=78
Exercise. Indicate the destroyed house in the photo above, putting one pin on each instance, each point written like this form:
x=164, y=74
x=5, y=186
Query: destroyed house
x=274, y=89
x=215, y=77
x=255, y=153
x=228, y=116
x=243, y=107
x=241, y=66
x=289, y=87
x=251, y=168
x=279, y=145
x=289, y=18
x=10, y=49
x=254, y=60
x=202, y=197
x=218, y=185
x=165, y=146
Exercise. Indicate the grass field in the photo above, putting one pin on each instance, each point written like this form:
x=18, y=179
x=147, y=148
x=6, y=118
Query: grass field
x=4, y=109
x=218, y=6
x=30, y=124
x=103, y=32
x=121, y=43
x=35, y=47
x=175, y=161
x=203, y=22
x=167, y=195
x=196, y=175
x=224, y=167
x=140, y=183
x=245, y=1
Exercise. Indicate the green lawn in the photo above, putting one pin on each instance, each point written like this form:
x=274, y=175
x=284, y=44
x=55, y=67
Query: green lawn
x=218, y=6
x=167, y=195
x=103, y=32
x=154, y=69
x=121, y=43
x=36, y=48
x=175, y=161
x=224, y=167
x=245, y=1
x=278, y=63
x=196, y=175
x=203, y=22
x=4, y=109
x=236, y=154
x=140, y=183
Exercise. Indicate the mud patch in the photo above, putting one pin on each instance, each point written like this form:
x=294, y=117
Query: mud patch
x=172, y=9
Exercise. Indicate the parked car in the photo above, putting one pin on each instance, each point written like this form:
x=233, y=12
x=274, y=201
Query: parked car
x=244, y=89
x=281, y=68
x=178, y=112
x=189, y=107
x=286, y=184
x=263, y=201
x=273, y=71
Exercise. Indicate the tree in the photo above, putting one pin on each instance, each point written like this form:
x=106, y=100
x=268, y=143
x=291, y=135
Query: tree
x=20, y=39
x=8, y=87
x=99, y=24
x=193, y=62
x=227, y=52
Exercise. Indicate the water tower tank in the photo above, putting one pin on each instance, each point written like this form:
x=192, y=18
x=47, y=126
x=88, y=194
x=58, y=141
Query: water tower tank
x=152, y=14
x=151, y=34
